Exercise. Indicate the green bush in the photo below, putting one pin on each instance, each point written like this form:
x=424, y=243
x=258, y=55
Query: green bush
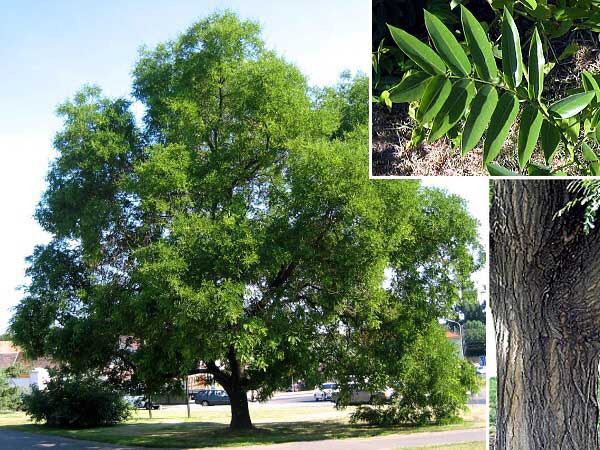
x=10, y=396
x=432, y=386
x=459, y=92
x=76, y=401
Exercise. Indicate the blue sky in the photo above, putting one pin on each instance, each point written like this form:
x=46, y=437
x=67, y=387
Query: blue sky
x=49, y=49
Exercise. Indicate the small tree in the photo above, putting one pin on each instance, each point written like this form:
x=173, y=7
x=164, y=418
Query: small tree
x=432, y=385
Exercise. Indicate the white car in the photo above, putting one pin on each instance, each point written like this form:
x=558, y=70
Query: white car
x=323, y=392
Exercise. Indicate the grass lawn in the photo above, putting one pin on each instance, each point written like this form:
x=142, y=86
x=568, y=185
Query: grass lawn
x=208, y=427
x=465, y=446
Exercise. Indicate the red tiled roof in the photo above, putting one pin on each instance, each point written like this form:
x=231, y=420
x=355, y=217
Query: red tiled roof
x=8, y=359
x=452, y=335
x=11, y=354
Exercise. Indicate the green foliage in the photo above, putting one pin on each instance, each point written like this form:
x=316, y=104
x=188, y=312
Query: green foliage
x=559, y=17
x=10, y=396
x=237, y=229
x=473, y=97
x=587, y=196
x=432, y=385
x=82, y=401
x=474, y=338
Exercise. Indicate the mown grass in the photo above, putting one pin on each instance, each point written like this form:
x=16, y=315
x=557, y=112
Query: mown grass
x=465, y=446
x=493, y=403
x=208, y=427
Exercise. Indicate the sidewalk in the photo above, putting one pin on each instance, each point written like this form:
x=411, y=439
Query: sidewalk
x=388, y=442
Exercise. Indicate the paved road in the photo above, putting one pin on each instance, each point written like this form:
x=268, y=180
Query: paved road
x=17, y=440
x=305, y=398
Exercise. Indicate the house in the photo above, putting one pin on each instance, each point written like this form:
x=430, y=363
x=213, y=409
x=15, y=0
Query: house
x=31, y=372
x=456, y=339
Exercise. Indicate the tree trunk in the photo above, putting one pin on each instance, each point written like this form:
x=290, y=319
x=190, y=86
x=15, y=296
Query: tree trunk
x=240, y=414
x=235, y=384
x=544, y=276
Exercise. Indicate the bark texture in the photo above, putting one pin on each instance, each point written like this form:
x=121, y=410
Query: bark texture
x=235, y=384
x=545, y=298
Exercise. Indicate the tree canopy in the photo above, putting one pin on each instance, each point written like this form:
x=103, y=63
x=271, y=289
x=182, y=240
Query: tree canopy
x=236, y=228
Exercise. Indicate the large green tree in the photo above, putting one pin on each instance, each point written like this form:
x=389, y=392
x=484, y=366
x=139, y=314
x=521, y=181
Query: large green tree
x=236, y=228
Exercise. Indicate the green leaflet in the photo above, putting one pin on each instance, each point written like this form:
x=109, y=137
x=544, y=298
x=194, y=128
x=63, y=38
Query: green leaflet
x=529, y=131
x=588, y=153
x=447, y=46
x=590, y=84
x=479, y=45
x=550, y=138
x=572, y=127
x=572, y=105
x=500, y=124
x=536, y=67
x=596, y=119
x=482, y=108
x=455, y=106
x=418, y=51
x=411, y=88
x=592, y=158
x=512, y=59
x=531, y=3
x=538, y=170
x=435, y=95
x=497, y=170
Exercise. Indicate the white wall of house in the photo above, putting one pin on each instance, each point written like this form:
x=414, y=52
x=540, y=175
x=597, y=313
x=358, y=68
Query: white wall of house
x=37, y=377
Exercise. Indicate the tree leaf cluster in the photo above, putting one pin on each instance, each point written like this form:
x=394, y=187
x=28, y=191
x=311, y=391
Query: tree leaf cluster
x=461, y=91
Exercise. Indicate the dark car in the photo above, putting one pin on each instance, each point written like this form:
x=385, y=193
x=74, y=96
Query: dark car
x=212, y=397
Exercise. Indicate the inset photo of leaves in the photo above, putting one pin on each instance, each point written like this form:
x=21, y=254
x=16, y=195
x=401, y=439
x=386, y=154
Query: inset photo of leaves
x=485, y=88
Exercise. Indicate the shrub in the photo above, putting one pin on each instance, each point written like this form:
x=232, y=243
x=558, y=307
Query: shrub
x=76, y=401
x=462, y=95
x=432, y=386
x=10, y=396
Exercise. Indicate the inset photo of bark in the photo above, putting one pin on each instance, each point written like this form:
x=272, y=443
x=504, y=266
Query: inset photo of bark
x=544, y=280
x=485, y=88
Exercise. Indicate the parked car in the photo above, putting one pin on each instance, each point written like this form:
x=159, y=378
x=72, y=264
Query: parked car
x=210, y=397
x=357, y=397
x=361, y=397
x=323, y=392
x=141, y=402
x=480, y=370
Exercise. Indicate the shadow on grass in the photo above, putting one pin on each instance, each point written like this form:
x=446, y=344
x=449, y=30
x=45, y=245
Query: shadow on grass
x=211, y=434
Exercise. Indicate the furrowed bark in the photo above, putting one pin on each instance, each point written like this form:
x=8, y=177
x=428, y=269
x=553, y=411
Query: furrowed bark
x=545, y=298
